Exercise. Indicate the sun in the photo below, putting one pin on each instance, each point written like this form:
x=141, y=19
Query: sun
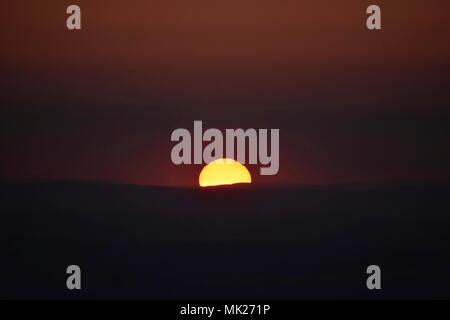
x=223, y=172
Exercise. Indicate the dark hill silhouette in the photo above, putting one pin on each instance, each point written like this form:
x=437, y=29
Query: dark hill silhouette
x=235, y=242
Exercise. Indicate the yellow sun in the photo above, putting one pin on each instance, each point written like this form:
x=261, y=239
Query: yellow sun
x=223, y=172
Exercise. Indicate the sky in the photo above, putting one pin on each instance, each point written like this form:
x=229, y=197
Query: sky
x=99, y=104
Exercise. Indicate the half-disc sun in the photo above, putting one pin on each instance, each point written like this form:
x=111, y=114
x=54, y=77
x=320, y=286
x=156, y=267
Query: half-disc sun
x=224, y=172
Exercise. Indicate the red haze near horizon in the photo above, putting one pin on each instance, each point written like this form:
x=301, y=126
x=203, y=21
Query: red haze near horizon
x=100, y=103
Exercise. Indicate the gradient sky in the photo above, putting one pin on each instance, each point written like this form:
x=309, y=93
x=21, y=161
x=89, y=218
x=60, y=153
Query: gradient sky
x=100, y=103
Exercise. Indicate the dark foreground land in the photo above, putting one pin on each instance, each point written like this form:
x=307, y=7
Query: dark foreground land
x=236, y=242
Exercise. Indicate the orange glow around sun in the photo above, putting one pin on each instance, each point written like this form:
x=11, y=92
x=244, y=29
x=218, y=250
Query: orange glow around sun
x=224, y=172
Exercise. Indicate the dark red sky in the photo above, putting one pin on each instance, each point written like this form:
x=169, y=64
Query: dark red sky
x=100, y=103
